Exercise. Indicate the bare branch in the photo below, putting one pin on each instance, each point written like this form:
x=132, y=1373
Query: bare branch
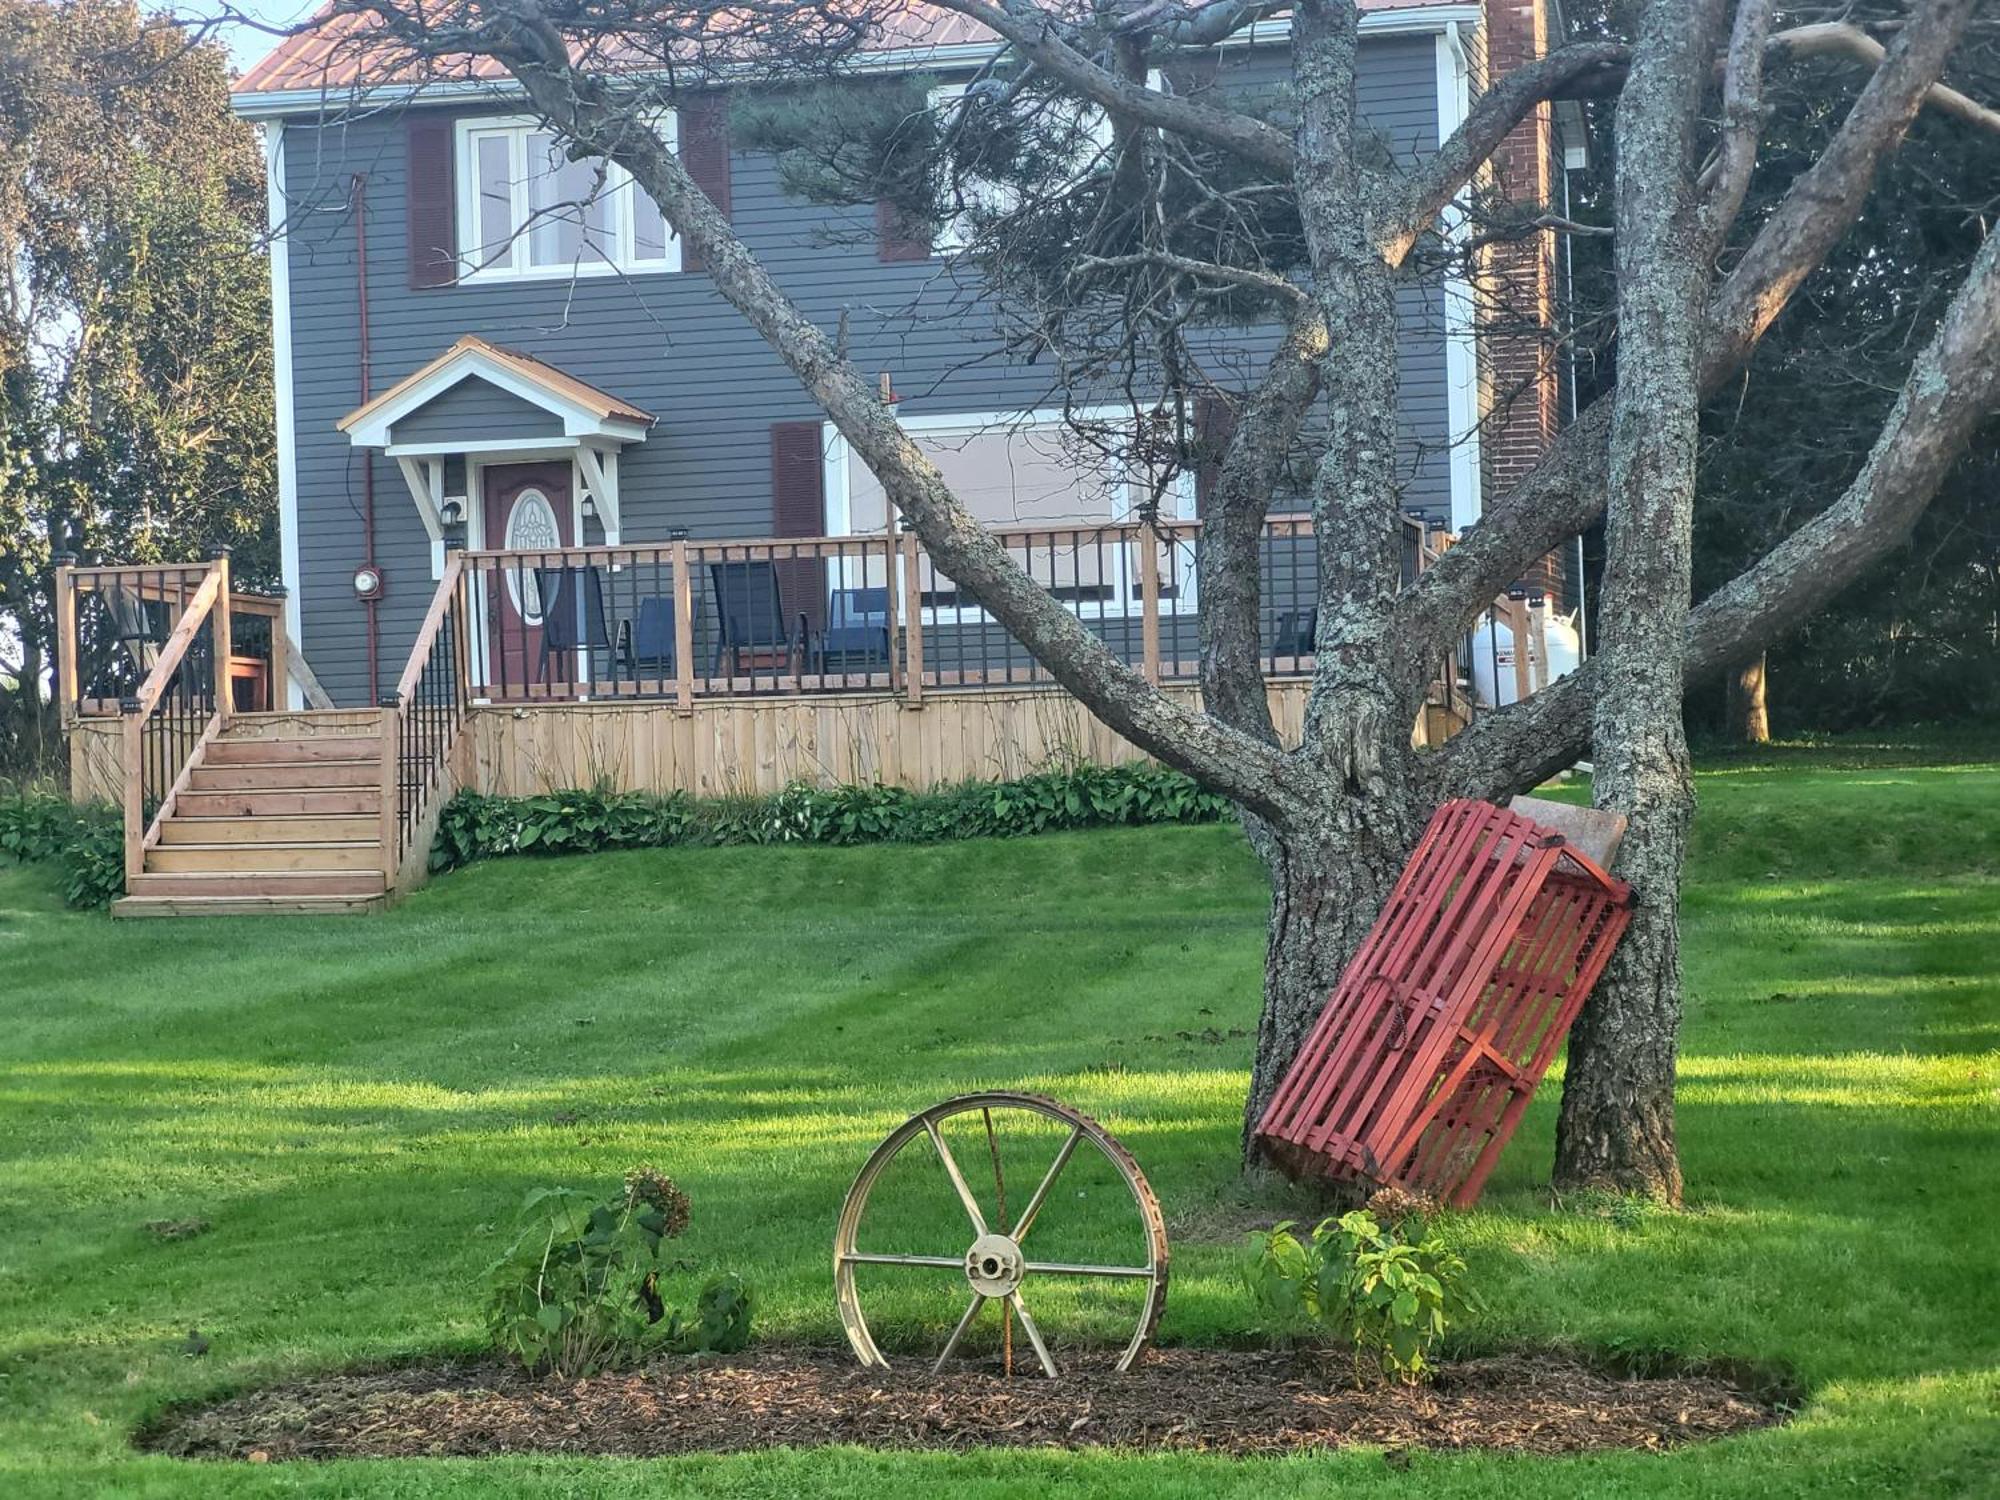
x=1582, y=70
x=1244, y=276
x=1838, y=37
x=1565, y=492
x=1742, y=122
x=1232, y=533
x=1953, y=386
x=1033, y=32
x=1819, y=209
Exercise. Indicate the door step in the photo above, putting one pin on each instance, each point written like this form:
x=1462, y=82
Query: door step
x=281, y=775
x=129, y=907
x=315, y=855
x=285, y=884
x=260, y=752
x=282, y=813
x=306, y=724
x=270, y=828
x=279, y=802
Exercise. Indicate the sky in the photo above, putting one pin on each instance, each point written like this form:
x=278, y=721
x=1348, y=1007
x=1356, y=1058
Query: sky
x=246, y=43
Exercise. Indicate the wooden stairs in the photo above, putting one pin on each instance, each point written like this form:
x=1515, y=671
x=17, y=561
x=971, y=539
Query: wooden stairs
x=280, y=812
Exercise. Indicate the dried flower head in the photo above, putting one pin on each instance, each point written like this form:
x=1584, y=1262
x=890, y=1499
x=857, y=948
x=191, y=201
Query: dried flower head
x=1394, y=1205
x=656, y=1190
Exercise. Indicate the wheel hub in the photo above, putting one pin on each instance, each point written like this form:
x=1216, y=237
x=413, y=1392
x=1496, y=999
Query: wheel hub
x=993, y=1266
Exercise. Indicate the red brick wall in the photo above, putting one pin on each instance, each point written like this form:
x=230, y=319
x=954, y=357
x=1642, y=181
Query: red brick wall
x=1517, y=282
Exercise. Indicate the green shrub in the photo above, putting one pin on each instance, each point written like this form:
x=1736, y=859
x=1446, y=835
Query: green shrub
x=579, y=1289
x=476, y=827
x=1388, y=1292
x=88, y=843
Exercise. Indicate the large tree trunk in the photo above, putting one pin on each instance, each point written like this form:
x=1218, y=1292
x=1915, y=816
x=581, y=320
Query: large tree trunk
x=1617, y=1125
x=1749, y=713
x=1327, y=888
x=1616, y=1128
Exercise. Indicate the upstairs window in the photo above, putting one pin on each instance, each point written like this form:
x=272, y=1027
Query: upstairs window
x=526, y=209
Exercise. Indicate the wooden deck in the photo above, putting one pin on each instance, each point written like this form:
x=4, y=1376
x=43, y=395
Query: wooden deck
x=716, y=668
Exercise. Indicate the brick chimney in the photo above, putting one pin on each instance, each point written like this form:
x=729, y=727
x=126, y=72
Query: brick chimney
x=1518, y=285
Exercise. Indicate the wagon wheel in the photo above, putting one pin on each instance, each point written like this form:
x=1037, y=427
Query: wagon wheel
x=989, y=1251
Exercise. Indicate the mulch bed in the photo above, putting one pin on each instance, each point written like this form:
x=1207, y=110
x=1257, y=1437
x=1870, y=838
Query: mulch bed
x=1184, y=1399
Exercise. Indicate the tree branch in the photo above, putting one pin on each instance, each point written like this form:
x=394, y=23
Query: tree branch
x=581, y=106
x=1243, y=276
x=1564, y=493
x=1953, y=385
x=1742, y=123
x=1414, y=201
x=1836, y=37
x=1032, y=30
x=1232, y=532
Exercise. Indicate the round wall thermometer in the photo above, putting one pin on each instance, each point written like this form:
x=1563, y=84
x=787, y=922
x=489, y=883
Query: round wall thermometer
x=367, y=583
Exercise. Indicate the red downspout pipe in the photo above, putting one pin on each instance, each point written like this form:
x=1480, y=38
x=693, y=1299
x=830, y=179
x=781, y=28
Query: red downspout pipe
x=359, y=201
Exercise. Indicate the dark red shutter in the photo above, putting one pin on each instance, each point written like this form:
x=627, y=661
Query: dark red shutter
x=1214, y=426
x=896, y=238
x=703, y=135
x=798, y=508
x=432, y=214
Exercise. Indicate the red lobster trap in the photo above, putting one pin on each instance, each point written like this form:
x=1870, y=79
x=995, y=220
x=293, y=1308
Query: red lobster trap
x=1427, y=1054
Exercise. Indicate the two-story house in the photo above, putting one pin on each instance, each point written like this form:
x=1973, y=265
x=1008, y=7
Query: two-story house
x=553, y=515
x=458, y=362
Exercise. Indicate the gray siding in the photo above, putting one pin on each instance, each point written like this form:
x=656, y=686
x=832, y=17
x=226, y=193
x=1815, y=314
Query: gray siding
x=669, y=344
x=473, y=411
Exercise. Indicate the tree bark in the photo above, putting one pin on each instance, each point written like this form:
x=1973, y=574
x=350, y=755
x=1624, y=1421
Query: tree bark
x=1326, y=891
x=1616, y=1129
x=1749, y=716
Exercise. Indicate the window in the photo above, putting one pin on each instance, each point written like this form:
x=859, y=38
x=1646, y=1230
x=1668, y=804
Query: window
x=1026, y=470
x=526, y=209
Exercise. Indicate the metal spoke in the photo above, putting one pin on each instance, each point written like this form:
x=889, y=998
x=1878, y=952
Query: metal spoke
x=1048, y=1181
x=862, y=1258
x=995, y=1264
x=1034, y=1334
x=959, y=1332
x=957, y=1179
x=1064, y=1268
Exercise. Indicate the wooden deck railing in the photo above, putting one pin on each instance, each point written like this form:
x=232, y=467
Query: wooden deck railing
x=182, y=704
x=112, y=622
x=687, y=619
x=420, y=720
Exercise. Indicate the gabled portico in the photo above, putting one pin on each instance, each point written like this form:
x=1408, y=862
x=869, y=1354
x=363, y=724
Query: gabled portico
x=479, y=407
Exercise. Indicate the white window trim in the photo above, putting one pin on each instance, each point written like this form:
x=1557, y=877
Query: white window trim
x=465, y=174
x=1461, y=321
x=1125, y=602
x=278, y=208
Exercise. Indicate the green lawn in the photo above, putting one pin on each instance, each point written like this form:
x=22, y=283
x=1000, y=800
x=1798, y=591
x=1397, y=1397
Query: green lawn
x=357, y=1107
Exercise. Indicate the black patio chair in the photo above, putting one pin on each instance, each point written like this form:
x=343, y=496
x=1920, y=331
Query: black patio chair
x=856, y=637
x=1296, y=629
x=750, y=615
x=133, y=624
x=572, y=617
x=648, y=641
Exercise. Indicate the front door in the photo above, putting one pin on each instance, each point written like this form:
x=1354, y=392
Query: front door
x=527, y=510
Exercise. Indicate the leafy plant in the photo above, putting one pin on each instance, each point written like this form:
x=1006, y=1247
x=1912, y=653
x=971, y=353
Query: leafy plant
x=87, y=842
x=579, y=1289
x=476, y=827
x=1389, y=1291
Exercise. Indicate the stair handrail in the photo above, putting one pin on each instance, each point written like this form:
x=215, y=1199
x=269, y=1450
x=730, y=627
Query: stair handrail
x=420, y=719
x=177, y=741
